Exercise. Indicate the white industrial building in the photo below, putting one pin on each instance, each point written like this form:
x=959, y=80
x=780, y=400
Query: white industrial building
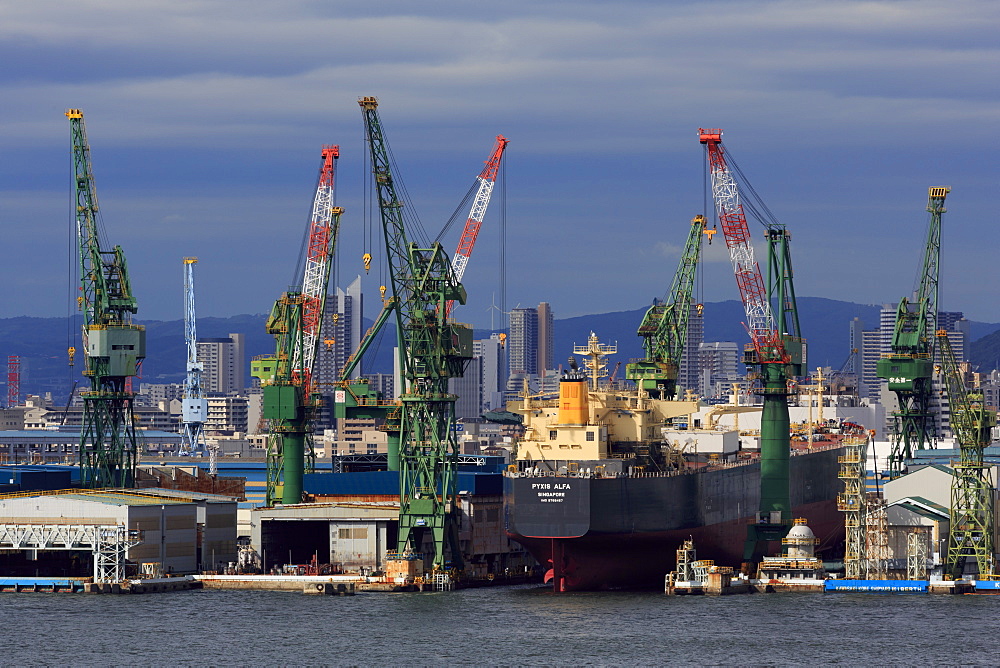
x=175, y=531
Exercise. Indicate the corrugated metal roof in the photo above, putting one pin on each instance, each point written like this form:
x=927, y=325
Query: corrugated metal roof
x=122, y=498
x=922, y=507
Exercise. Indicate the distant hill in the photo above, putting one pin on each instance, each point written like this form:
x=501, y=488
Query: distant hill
x=41, y=342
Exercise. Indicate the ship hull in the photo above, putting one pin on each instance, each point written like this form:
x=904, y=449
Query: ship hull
x=623, y=533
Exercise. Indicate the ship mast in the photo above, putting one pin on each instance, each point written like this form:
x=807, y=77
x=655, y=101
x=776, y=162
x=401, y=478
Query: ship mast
x=594, y=353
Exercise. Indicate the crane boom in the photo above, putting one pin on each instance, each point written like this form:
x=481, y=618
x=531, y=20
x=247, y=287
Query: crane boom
x=664, y=326
x=432, y=350
x=487, y=178
x=726, y=195
x=113, y=346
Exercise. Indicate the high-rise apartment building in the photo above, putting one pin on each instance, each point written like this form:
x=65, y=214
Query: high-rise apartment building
x=719, y=367
x=494, y=375
x=530, y=344
x=342, y=331
x=469, y=389
x=224, y=364
x=545, y=352
x=689, y=368
x=522, y=344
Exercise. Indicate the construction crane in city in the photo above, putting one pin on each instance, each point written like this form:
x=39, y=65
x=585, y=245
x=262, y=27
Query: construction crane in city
x=432, y=350
x=971, y=515
x=487, y=179
x=113, y=345
x=194, y=405
x=777, y=351
x=290, y=397
x=909, y=367
x=664, y=327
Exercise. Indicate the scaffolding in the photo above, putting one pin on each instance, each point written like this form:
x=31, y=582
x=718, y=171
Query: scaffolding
x=877, y=538
x=851, y=502
x=109, y=543
x=916, y=554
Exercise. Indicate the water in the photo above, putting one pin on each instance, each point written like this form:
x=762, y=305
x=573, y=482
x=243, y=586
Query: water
x=497, y=626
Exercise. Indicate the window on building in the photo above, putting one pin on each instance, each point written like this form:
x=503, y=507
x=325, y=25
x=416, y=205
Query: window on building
x=590, y=436
x=553, y=435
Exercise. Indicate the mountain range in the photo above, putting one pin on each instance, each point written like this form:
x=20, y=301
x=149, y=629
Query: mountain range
x=41, y=343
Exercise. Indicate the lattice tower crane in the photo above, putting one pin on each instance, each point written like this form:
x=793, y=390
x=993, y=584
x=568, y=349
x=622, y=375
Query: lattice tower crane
x=908, y=368
x=356, y=399
x=432, y=351
x=113, y=346
x=194, y=405
x=971, y=514
x=664, y=327
x=290, y=397
x=777, y=351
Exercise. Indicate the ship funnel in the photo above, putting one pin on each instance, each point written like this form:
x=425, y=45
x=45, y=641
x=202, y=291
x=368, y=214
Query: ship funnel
x=573, y=407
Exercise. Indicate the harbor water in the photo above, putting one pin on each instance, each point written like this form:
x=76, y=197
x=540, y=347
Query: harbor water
x=495, y=626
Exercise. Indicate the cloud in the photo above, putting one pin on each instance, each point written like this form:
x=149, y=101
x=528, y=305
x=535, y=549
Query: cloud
x=205, y=121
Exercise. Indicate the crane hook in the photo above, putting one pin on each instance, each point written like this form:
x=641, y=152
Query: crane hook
x=367, y=258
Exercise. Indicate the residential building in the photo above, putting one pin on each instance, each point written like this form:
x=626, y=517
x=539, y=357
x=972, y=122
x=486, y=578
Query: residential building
x=522, y=344
x=545, y=353
x=224, y=362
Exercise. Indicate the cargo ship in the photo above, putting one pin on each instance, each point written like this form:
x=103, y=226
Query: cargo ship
x=609, y=481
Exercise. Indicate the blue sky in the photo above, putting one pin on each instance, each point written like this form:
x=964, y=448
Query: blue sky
x=206, y=121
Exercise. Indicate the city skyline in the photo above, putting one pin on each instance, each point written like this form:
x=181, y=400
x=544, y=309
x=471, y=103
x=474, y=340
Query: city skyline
x=206, y=135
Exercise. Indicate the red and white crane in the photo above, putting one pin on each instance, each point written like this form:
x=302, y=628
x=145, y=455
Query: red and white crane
x=317, y=264
x=487, y=179
x=725, y=192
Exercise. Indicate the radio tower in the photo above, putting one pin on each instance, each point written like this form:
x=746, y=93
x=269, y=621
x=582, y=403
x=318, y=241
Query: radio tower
x=13, y=381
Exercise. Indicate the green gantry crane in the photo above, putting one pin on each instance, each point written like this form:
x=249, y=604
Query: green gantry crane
x=432, y=350
x=664, y=327
x=777, y=352
x=971, y=515
x=909, y=367
x=112, y=345
x=291, y=399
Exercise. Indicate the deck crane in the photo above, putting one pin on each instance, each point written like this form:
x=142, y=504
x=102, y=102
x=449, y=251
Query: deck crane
x=194, y=405
x=112, y=344
x=909, y=366
x=664, y=326
x=290, y=397
x=432, y=350
x=971, y=515
x=777, y=352
x=487, y=179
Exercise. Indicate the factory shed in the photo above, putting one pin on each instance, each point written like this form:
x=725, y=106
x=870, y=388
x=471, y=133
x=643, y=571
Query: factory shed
x=216, y=519
x=353, y=522
x=168, y=529
x=347, y=536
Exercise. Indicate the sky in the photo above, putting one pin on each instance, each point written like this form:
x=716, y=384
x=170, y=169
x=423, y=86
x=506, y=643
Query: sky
x=206, y=120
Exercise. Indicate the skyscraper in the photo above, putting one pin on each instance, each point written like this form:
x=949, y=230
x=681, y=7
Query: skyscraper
x=688, y=372
x=342, y=330
x=522, y=344
x=545, y=324
x=223, y=360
